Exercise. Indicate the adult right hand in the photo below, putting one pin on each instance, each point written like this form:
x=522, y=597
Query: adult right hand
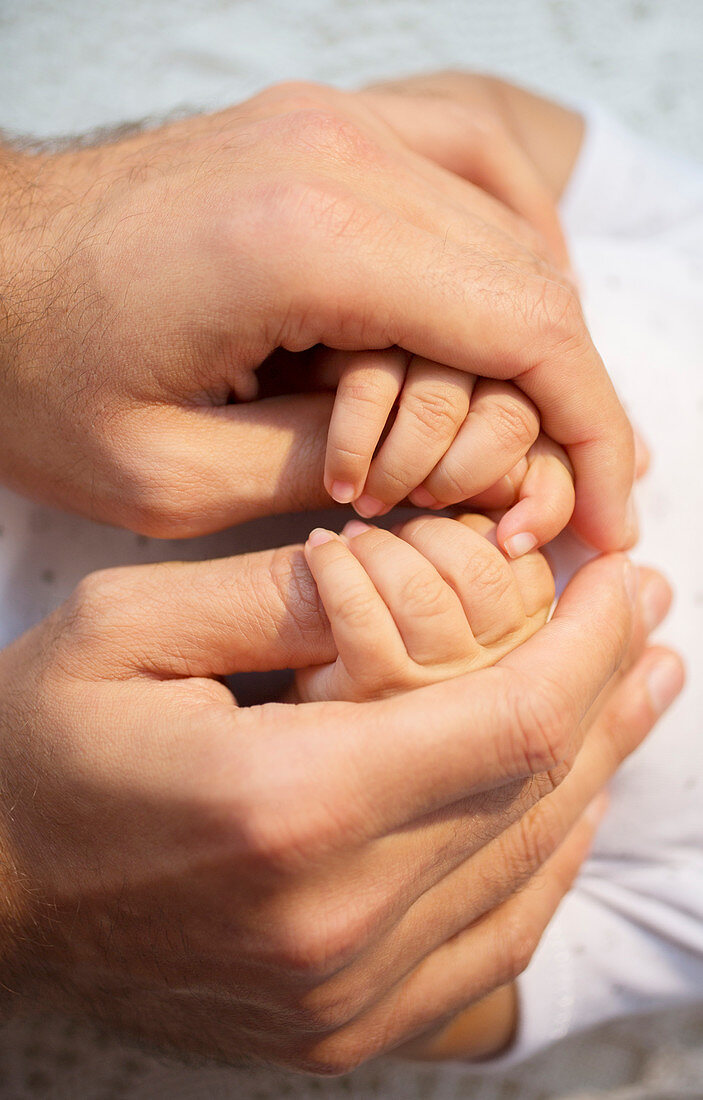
x=146, y=280
x=307, y=885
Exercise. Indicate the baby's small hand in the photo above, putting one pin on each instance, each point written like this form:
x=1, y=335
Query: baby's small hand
x=432, y=602
x=455, y=438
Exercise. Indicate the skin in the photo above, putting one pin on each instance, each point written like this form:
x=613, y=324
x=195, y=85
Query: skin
x=434, y=600
x=146, y=280
x=550, y=137
x=268, y=882
x=451, y=437
x=133, y=798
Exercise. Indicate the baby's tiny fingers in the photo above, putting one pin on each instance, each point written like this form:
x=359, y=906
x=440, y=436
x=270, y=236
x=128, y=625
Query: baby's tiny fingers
x=427, y=612
x=362, y=626
x=499, y=430
x=532, y=574
x=433, y=406
x=545, y=501
x=369, y=384
x=473, y=566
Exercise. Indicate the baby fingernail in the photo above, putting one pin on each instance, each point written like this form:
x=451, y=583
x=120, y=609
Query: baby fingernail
x=342, y=492
x=368, y=506
x=355, y=527
x=319, y=536
x=655, y=602
x=664, y=683
x=517, y=545
x=422, y=498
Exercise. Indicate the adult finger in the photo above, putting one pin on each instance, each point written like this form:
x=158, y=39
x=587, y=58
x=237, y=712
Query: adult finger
x=465, y=967
x=515, y=856
x=229, y=463
x=251, y=612
x=473, y=142
x=525, y=326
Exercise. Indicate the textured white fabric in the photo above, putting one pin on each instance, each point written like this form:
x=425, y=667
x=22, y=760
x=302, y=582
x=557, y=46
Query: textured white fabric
x=629, y=936
x=69, y=65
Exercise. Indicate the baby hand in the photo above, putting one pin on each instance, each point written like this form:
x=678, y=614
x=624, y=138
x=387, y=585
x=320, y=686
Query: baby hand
x=455, y=438
x=432, y=602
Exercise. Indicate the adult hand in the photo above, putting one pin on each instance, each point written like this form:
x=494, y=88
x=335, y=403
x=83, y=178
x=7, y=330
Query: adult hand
x=630, y=705
x=519, y=146
x=146, y=280
x=305, y=885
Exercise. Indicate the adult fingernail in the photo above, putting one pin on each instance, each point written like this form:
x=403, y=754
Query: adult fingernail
x=664, y=683
x=355, y=527
x=422, y=499
x=631, y=582
x=517, y=545
x=632, y=527
x=597, y=809
x=342, y=492
x=655, y=601
x=642, y=456
x=368, y=506
x=319, y=536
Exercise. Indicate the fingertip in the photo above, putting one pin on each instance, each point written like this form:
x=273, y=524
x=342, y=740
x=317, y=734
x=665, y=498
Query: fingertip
x=656, y=597
x=342, y=491
x=368, y=506
x=318, y=536
x=353, y=528
x=517, y=545
x=665, y=681
x=632, y=527
x=422, y=499
x=643, y=455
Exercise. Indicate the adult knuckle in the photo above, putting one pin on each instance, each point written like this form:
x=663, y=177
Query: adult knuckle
x=309, y=204
x=541, y=725
x=97, y=597
x=277, y=840
x=298, y=95
x=334, y=1057
x=338, y=998
x=315, y=939
x=297, y=592
x=538, y=834
x=554, y=310
x=486, y=124
x=331, y=136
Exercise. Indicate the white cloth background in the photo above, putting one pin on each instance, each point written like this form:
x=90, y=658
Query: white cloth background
x=637, y=232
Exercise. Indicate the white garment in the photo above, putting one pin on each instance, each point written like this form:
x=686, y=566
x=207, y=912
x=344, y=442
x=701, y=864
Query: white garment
x=630, y=935
x=629, y=938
